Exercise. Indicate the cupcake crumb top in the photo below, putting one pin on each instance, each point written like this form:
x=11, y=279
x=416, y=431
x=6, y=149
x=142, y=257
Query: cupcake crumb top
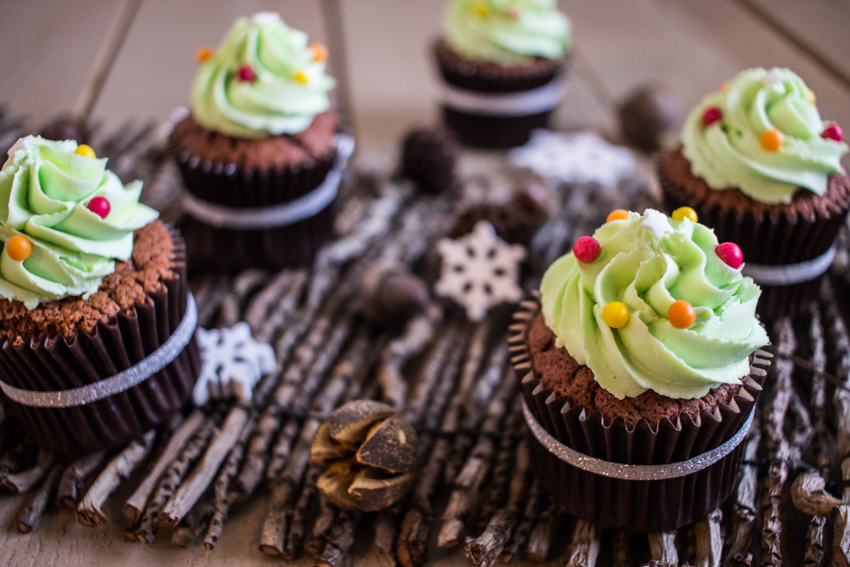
x=131, y=282
x=557, y=369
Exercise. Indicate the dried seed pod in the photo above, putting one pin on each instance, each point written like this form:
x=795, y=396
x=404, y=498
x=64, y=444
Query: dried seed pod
x=371, y=454
x=391, y=293
x=428, y=157
x=648, y=115
x=515, y=221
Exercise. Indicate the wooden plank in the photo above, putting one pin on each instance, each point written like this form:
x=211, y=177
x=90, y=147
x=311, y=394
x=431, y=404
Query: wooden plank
x=691, y=46
x=818, y=27
x=154, y=71
x=48, y=48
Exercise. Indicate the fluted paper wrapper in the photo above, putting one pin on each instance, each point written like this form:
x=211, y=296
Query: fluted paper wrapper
x=495, y=132
x=640, y=506
x=237, y=187
x=60, y=364
x=768, y=239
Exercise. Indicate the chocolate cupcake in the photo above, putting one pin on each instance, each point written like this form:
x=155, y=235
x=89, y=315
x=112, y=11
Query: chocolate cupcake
x=260, y=152
x=639, y=375
x=759, y=165
x=96, y=322
x=502, y=68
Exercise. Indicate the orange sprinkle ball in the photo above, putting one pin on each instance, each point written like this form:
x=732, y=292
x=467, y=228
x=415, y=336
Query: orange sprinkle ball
x=320, y=52
x=682, y=213
x=615, y=315
x=618, y=214
x=19, y=248
x=85, y=150
x=724, y=86
x=772, y=140
x=681, y=314
x=203, y=54
x=300, y=77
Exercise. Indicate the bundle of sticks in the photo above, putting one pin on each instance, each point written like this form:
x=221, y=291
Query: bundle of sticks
x=453, y=381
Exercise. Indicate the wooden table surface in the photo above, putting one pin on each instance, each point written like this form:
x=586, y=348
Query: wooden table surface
x=49, y=46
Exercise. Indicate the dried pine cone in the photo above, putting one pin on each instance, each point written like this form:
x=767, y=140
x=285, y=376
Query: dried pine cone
x=370, y=453
x=391, y=293
x=516, y=221
x=428, y=157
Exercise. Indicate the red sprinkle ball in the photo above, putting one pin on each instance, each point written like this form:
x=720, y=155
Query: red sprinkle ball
x=100, y=206
x=711, y=115
x=246, y=74
x=587, y=249
x=833, y=132
x=731, y=254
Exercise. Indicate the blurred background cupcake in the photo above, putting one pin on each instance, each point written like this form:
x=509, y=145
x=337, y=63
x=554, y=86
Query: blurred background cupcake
x=759, y=165
x=91, y=286
x=640, y=354
x=502, y=64
x=260, y=152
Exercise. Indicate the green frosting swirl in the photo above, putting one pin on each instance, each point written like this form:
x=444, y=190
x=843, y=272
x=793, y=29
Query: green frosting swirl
x=506, y=31
x=728, y=153
x=648, y=273
x=289, y=88
x=44, y=191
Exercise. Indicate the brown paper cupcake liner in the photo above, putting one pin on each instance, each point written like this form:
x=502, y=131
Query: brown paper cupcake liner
x=484, y=129
x=59, y=364
x=657, y=505
x=767, y=240
x=233, y=186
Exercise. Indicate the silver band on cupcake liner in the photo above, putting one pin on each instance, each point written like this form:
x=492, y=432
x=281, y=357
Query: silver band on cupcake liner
x=790, y=274
x=275, y=216
x=124, y=380
x=632, y=472
x=522, y=103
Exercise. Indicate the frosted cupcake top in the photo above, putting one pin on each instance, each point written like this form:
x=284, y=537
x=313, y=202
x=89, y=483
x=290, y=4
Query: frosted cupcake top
x=762, y=133
x=264, y=79
x=506, y=31
x=652, y=303
x=64, y=220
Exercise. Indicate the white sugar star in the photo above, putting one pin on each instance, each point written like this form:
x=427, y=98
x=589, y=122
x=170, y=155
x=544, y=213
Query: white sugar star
x=479, y=270
x=263, y=18
x=774, y=76
x=657, y=223
x=233, y=363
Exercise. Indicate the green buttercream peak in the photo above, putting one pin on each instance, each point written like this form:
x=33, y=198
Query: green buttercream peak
x=283, y=89
x=648, y=262
x=45, y=189
x=506, y=31
x=729, y=153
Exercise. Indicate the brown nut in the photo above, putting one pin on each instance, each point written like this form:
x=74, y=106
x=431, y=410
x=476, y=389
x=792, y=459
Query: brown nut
x=391, y=293
x=371, y=454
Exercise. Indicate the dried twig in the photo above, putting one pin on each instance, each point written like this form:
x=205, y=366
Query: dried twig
x=37, y=502
x=484, y=549
x=224, y=496
x=73, y=479
x=89, y=511
x=663, y=548
x=134, y=505
x=197, y=482
x=26, y=480
x=584, y=549
x=171, y=478
x=709, y=540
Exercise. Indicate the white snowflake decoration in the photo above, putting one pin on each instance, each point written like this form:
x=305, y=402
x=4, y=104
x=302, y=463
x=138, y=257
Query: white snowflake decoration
x=580, y=157
x=479, y=270
x=233, y=363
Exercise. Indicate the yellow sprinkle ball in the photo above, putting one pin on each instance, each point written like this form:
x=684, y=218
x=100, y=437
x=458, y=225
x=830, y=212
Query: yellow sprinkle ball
x=301, y=77
x=812, y=98
x=480, y=9
x=85, y=151
x=615, y=315
x=685, y=212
